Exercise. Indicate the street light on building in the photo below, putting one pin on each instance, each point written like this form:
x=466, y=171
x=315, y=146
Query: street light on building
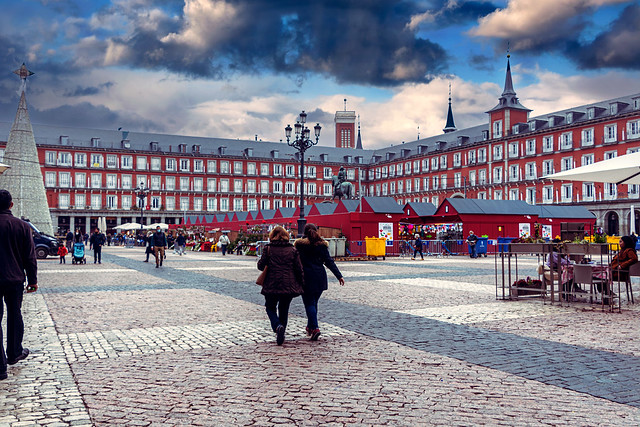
x=142, y=195
x=302, y=142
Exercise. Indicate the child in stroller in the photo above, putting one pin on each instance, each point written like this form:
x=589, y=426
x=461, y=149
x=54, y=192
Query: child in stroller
x=78, y=254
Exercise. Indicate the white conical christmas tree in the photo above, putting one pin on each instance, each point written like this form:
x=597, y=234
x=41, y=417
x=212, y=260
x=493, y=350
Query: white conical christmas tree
x=24, y=179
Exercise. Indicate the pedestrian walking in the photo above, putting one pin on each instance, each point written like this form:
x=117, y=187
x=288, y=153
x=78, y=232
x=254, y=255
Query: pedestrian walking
x=224, y=242
x=69, y=241
x=314, y=255
x=96, y=242
x=159, y=244
x=417, y=247
x=181, y=243
x=17, y=256
x=62, y=252
x=78, y=237
x=284, y=280
x=147, y=244
x=471, y=241
x=86, y=238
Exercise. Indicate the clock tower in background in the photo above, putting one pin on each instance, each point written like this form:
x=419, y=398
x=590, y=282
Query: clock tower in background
x=345, y=122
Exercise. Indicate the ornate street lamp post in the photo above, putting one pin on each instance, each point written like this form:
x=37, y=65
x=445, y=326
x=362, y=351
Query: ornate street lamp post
x=302, y=142
x=142, y=195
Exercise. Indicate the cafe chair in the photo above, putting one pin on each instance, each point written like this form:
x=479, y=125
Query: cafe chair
x=583, y=274
x=634, y=271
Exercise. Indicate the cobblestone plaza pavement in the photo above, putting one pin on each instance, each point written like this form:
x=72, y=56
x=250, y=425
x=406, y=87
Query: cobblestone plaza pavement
x=403, y=343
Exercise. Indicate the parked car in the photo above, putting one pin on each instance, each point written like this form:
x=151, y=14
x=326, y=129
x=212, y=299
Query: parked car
x=45, y=244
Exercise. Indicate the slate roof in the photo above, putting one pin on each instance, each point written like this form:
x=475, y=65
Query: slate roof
x=326, y=208
x=422, y=208
x=351, y=205
x=575, y=212
x=383, y=205
x=492, y=207
x=268, y=213
x=287, y=212
x=242, y=216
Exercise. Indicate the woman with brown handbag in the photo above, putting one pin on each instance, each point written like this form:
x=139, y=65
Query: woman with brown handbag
x=283, y=281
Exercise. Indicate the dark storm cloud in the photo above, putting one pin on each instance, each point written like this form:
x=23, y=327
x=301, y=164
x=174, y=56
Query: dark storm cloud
x=482, y=62
x=618, y=47
x=461, y=13
x=355, y=41
x=86, y=90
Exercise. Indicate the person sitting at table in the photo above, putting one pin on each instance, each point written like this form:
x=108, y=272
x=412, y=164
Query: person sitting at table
x=620, y=263
x=556, y=258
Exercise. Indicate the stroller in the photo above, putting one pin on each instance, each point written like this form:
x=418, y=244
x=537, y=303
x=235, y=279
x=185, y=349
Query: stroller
x=78, y=254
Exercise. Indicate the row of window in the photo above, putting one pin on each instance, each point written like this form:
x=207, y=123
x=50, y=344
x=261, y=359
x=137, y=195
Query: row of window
x=169, y=203
x=171, y=183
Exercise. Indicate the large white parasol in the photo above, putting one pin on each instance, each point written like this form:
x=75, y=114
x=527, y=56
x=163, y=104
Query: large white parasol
x=619, y=170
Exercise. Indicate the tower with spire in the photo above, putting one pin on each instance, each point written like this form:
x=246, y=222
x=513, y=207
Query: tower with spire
x=450, y=126
x=359, y=142
x=345, y=122
x=509, y=111
x=24, y=179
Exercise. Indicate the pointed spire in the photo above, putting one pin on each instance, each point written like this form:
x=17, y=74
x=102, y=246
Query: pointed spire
x=450, y=126
x=508, y=99
x=508, y=82
x=359, y=141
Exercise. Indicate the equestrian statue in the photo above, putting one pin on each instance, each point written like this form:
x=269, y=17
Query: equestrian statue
x=342, y=187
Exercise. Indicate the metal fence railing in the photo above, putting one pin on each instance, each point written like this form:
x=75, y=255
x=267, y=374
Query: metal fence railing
x=405, y=248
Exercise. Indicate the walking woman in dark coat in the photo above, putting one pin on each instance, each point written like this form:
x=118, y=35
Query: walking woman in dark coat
x=284, y=279
x=314, y=254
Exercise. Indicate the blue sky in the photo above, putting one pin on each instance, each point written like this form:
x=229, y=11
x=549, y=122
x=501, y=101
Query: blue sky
x=239, y=68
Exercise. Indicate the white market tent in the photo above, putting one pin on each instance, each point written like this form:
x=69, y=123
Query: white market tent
x=153, y=226
x=619, y=170
x=128, y=226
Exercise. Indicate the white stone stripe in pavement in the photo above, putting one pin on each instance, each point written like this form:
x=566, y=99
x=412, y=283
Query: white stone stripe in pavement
x=117, y=343
x=444, y=284
x=81, y=269
x=41, y=389
x=475, y=313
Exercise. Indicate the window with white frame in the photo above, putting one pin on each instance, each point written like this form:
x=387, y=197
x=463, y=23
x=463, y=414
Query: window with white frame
x=198, y=184
x=514, y=194
x=514, y=149
x=482, y=195
x=81, y=201
x=392, y=171
x=497, y=175
x=351, y=174
x=277, y=169
x=112, y=181
x=184, y=183
x=497, y=195
x=96, y=201
x=310, y=171
x=457, y=162
x=264, y=187
x=251, y=186
x=587, y=137
x=126, y=162
x=277, y=187
x=443, y=181
x=141, y=163
x=435, y=200
x=482, y=155
x=224, y=185
x=81, y=180
x=97, y=161
x=184, y=203
x=198, y=165
x=237, y=168
x=50, y=179
x=212, y=204
x=588, y=191
x=50, y=158
x=531, y=170
x=211, y=185
x=566, y=163
x=416, y=184
x=252, y=204
x=435, y=182
x=400, y=187
x=399, y=169
x=277, y=204
x=531, y=195
x=264, y=169
x=185, y=165
x=610, y=155
x=611, y=191
x=170, y=201
x=312, y=189
x=156, y=163
x=482, y=177
x=633, y=129
x=392, y=187
x=497, y=129
x=472, y=178
x=385, y=189
x=497, y=152
x=566, y=140
x=224, y=168
x=425, y=165
x=64, y=179
x=112, y=161
x=155, y=203
x=265, y=204
x=514, y=172
x=531, y=146
x=64, y=158
x=632, y=191
x=587, y=159
x=96, y=180
x=237, y=186
x=566, y=193
x=251, y=168
x=170, y=183
x=197, y=204
x=416, y=166
x=327, y=189
x=126, y=202
x=425, y=184
x=171, y=164
x=443, y=162
x=212, y=166
x=547, y=167
x=290, y=170
x=471, y=157
x=547, y=194
x=434, y=163
x=611, y=133
x=385, y=172
x=80, y=160
x=547, y=144
x=327, y=173
x=457, y=180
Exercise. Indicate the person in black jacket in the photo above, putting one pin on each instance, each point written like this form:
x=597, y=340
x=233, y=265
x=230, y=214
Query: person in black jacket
x=96, y=242
x=314, y=254
x=17, y=256
x=69, y=239
x=284, y=279
x=159, y=244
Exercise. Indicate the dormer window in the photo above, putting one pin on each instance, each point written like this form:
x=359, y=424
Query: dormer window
x=591, y=113
x=636, y=104
x=195, y=148
x=64, y=140
x=95, y=142
x=485, y=135
x=613, y=108
x=348, y=159
x=125, y=143
x=324, y=157
x=221, y=150
x=275, y=154
x=532, y=125
x=248, y=152
x=153, y=145
x=182, y=148
x=359, y=159
x=569, y=118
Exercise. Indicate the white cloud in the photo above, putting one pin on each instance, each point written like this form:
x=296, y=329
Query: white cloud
x=531, y=23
